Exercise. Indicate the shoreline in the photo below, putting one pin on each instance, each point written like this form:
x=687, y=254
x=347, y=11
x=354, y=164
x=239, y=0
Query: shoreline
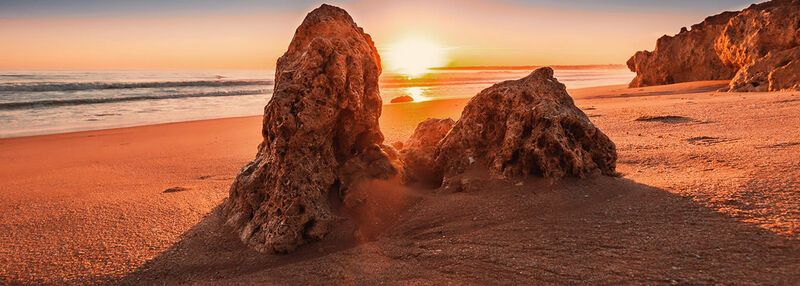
x=78, y=130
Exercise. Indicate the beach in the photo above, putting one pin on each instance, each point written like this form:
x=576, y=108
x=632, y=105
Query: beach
x=708, y=193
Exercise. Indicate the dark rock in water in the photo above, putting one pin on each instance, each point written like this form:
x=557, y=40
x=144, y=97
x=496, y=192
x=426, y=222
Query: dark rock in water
x=321, y=137
x=404, y=98
x=525, y=127
x=746, y=46
x=418, y=152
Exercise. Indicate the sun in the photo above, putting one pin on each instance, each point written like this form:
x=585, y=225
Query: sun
x=413, y=56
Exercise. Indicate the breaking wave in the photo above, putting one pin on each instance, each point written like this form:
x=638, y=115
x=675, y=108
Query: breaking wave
x=52, y=86
x=81, y=101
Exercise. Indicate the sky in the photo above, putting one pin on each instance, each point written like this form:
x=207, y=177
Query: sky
x=249, y=34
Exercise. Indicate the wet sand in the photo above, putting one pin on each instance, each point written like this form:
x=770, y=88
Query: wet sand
x=709, y=193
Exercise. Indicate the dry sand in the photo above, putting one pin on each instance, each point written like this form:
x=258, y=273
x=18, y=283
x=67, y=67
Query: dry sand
x=709, y=193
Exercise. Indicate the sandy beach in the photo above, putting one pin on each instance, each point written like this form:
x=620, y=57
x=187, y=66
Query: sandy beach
x=708, y=194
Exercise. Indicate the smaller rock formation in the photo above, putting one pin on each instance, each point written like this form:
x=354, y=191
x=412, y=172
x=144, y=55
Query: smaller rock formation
x=419, y=150
x=525, y=127
x=778, y=70
x=404, y=98
x=321, y=138
x=786, y=77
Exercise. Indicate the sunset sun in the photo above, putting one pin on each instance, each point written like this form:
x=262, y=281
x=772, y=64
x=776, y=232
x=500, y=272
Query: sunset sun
x=414, y=55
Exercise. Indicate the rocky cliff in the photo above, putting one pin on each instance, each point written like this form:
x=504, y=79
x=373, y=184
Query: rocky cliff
x=746, y=46
x=687, y=56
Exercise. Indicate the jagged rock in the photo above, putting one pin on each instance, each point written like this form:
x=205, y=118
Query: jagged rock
x=786, y=77
x=321, y=137
x=398, y=145
x=722, y=47
x=524, y=127
x=404, y=98
x=429, y=132
x=758, y=30
x=687, y=56
x=760, y=40
x=419, y=150
x=778, y=70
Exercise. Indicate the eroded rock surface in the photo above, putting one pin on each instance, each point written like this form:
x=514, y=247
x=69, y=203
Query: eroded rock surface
x=321, y=137
x=778, y=70
x=731, y=45
x=525, y=127
x=418, y=152
x=687, y=56
x=758, y=30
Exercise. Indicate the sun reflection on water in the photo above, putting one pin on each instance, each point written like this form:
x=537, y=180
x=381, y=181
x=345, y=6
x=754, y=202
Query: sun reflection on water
x=417, y=93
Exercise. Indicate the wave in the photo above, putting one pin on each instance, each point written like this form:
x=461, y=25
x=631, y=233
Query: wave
x=64, y=86
x=81, y=101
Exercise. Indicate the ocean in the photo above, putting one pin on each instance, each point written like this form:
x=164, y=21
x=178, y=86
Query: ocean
x=47, y=102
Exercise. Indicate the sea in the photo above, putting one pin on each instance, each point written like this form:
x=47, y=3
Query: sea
x=48, y=102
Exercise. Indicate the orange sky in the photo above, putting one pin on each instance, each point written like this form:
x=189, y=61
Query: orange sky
x=474, y=32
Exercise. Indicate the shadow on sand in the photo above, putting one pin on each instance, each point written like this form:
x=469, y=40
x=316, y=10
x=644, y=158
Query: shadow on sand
x=711, y=87
x=599, y=231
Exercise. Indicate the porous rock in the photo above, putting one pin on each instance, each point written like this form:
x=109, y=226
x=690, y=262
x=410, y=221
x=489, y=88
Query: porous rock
x=418, y=151
x=320, y=137
x=731, y=45
x=778, y=70
x=687, y=56
x=528, y=126
x=759, y=30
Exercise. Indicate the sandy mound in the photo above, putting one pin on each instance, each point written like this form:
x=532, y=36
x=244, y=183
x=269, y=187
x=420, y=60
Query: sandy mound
x=321, y=137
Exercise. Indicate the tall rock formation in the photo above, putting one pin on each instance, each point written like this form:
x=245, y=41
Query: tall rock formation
x=528, y=126
x=731, y=45
x=321, y=137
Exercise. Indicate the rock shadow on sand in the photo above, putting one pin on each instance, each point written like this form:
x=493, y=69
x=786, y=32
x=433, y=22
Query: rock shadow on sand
x=596, y=230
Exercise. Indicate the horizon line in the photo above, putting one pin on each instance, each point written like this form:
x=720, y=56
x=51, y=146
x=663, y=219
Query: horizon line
x=443, y=68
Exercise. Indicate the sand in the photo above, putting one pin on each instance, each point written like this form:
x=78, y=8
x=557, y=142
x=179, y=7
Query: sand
x=709, y=193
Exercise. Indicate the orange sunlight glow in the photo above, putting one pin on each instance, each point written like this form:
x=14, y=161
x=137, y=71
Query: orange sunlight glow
x=413, y=56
